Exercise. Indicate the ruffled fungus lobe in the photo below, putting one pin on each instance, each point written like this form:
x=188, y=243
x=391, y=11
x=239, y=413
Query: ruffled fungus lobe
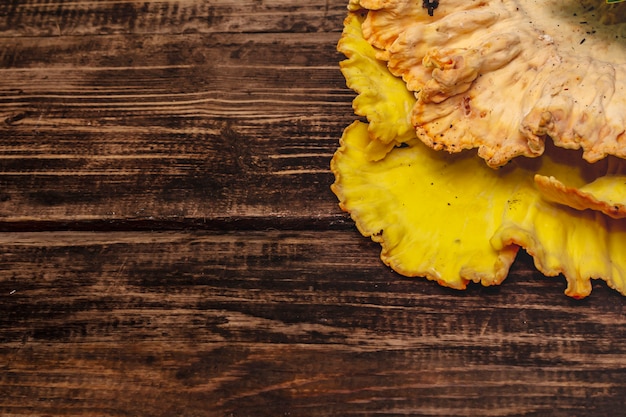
x=605, y=194
x=385, y=101
x=508, y=75
x=450, y=217
x=415, y=202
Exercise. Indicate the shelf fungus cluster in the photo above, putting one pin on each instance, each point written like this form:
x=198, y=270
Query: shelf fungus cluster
x=486, y=127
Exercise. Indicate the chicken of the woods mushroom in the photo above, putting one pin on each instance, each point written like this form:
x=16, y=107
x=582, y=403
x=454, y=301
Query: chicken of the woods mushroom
x=488, y=127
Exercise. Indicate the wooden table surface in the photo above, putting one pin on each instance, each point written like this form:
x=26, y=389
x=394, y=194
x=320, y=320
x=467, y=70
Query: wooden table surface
x=170, y=245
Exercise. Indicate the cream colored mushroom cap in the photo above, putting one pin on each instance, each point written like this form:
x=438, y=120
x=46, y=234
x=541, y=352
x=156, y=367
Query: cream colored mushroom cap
x=503, y=77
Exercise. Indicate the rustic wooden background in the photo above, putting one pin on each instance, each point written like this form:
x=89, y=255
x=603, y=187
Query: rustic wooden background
x=170, y=246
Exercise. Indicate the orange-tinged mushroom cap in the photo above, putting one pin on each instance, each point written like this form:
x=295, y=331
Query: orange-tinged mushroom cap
x=605, y=194
x=509, y=75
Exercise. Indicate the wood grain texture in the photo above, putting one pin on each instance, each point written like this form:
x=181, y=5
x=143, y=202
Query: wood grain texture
x=169, y=244
x=104, y=17
x=280, y=323
x=162, y=121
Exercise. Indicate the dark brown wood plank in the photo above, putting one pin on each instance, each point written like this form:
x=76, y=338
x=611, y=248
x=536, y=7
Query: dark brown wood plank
x=170, y=126
x=87, y=17
x=288, y=323
x=221, y=116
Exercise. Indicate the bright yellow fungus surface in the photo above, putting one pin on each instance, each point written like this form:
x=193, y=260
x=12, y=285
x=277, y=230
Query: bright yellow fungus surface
x=450, y=217
x=431, y=220
x=385, y=105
